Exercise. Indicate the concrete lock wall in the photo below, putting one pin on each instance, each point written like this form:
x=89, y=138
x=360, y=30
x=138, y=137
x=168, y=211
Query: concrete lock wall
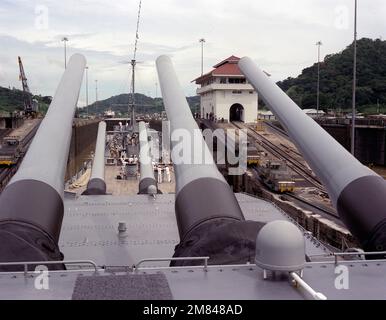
x=370, y=144
x=84, y=133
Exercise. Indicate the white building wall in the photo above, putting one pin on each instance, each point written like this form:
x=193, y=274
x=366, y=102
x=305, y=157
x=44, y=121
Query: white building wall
x=218, y=98
x=252, y=107
x=224, y=99
x=207, y=104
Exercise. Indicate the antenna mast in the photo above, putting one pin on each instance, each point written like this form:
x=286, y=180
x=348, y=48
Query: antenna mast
x=133, y=64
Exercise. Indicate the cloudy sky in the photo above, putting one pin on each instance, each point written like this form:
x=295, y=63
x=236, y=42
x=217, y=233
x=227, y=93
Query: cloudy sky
x=280, y=35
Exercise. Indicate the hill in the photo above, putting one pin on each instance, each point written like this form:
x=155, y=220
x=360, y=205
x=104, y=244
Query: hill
x=145, y=104
x=336, y=73
x=12, y=100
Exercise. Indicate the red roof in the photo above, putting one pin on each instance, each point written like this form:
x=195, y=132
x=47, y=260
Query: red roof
x=231, y=59
x=227, y=67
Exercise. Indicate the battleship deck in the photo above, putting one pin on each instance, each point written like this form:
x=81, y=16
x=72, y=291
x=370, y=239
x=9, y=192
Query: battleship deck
x=117, y=187
x=90, y=233
x=90, y=227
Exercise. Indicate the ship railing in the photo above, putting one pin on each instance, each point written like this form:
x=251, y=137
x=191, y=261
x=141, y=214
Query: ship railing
x=25, y=264
x=371, y=253
x=136, y=267
x=336, y=255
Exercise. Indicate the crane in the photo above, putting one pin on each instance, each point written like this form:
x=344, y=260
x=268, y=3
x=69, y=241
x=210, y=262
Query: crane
x=30, y=105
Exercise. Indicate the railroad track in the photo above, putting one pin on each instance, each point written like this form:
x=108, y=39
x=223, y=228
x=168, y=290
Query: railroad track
x=5, y=176
x=28, y=139
x=281, y=131
x=3, y=172
x=4, y=132
x=313, y=205
x=275, y=150
x=6, y=173
x=284, y=134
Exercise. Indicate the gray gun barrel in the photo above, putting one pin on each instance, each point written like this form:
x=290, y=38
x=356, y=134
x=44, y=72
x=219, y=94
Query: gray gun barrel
x=31, y=205
x=96, y=184
x=147, y=184
x=208, y=215
x=358, y=194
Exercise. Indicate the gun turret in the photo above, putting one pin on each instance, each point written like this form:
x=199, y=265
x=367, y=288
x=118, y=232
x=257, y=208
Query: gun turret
x=358, y=193
x=209, y=218
x=31, y=205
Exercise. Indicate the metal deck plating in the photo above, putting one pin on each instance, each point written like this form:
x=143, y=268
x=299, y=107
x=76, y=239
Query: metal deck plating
x=90, y=227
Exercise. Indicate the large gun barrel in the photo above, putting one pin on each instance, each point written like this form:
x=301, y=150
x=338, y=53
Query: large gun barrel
x=96, y=184
x=31, y=205
x=358, y=193
x=208, y=215
x=147, y=184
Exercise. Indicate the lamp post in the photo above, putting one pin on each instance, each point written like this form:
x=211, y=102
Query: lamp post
x=87, y=90
x=96, y=91
x=65, y=40
x=319, y=43
x=354, y=83
x=202, y=41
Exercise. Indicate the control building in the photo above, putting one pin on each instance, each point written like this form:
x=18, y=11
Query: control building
x=226, y=94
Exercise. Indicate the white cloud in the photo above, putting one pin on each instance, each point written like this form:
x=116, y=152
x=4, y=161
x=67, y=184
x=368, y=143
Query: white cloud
x=279, y=34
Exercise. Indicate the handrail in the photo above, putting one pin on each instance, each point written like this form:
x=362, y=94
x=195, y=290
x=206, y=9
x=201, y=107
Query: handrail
x=341, y=254
x=136, y=266
x=27, y=263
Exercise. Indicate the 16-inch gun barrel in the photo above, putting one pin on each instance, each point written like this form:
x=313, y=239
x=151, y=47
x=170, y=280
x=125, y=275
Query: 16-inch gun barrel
x=209, y=218
x=357, y=192
x=31, y=205
x=147, y=184
x=97, y=184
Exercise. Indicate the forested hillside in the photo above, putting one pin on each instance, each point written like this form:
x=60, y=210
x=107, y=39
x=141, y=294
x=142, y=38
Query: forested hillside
x=13, y=100
x=145, y=104
x=336, y=76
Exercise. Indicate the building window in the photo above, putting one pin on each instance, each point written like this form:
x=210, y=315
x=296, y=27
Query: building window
x=210, y=81
x=236, y=92
x=250, y=92
x=236, y=80
x=223, y=80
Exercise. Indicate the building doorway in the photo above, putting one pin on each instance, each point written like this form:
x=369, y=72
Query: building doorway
x=236, y=112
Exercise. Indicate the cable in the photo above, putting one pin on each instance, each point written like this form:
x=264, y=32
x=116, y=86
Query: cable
x=133, y=62
x=136, y=33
